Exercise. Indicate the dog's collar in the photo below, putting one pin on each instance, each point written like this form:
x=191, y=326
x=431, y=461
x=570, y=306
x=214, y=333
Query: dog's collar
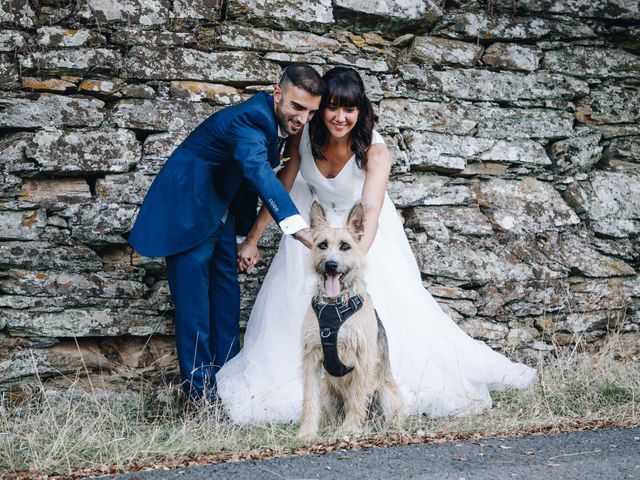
x=339, y=300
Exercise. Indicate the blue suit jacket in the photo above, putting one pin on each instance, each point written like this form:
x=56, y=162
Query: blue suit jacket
x=220, y=165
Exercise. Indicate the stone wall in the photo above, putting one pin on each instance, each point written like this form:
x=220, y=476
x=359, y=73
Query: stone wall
x=514, y=128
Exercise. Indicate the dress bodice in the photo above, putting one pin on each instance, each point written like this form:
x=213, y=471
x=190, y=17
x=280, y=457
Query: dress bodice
x=340, y=192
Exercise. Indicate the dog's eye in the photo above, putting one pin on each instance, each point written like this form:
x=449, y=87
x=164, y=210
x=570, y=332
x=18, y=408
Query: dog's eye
x=345, y=246
x=323, y=245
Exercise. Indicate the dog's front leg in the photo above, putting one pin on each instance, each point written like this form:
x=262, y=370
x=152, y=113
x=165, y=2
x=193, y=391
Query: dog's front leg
x=356, y=402
x=310, y=415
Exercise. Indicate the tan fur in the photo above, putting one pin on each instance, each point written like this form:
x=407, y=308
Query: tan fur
x=369, y=388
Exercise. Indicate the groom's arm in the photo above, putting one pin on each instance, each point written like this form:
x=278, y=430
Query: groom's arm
x=248, y=139
x=248, y=253
x=287, y=176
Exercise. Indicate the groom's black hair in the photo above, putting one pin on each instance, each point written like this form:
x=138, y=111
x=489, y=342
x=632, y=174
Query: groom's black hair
x=303, y=76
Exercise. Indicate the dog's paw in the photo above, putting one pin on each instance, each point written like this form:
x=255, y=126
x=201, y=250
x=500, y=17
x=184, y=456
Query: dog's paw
x=397, y=423
x=307, y=434
x=348, y=429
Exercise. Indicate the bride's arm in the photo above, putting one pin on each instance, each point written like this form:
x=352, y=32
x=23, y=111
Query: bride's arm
x=377, y=171
x=248, y=253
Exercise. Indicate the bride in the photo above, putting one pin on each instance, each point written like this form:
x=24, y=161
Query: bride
x=338, y=159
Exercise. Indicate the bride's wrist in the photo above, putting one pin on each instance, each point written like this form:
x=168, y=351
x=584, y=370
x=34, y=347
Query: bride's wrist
x=251, y=240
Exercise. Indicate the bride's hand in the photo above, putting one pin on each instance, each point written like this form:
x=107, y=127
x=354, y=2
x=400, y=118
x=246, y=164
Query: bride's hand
x=248, y=255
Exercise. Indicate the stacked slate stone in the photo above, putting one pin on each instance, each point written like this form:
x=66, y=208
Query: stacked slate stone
x=514, y=128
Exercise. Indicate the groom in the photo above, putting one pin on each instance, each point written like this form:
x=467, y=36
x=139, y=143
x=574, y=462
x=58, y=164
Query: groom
x=204, y=195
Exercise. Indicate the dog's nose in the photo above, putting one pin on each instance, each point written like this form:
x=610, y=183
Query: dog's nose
x=331, y=266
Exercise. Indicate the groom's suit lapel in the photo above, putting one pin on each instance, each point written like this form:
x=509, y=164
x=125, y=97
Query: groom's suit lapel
x=272, y=142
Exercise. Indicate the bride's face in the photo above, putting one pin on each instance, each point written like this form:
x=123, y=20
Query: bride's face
x=340, y=120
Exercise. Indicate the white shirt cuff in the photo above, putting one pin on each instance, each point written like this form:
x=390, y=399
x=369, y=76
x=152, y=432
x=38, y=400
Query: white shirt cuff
x=240, y=239
x=293, y=224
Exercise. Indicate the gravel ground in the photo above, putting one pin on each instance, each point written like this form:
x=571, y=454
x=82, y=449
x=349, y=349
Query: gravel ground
x=599, y=454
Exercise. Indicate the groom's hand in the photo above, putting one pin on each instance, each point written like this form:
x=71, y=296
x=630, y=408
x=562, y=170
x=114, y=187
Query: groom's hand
x=304, y=236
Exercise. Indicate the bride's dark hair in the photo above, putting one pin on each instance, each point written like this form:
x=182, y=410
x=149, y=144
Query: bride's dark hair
x=344, y=88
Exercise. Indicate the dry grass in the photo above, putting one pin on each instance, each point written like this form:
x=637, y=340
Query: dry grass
x=77, y=432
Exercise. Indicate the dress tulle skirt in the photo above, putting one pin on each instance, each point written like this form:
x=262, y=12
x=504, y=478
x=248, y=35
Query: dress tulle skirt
x=439, y=368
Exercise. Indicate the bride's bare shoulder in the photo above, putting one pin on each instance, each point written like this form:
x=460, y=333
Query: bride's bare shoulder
x=377, y=157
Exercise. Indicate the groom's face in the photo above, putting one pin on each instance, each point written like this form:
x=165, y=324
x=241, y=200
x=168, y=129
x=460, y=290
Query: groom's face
x=294, y=107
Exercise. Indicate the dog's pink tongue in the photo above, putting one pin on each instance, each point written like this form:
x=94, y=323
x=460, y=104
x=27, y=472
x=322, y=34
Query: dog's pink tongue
x=332, y=286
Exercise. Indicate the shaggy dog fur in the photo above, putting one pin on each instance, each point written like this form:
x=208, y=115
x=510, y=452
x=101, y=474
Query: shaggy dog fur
x=362, y=343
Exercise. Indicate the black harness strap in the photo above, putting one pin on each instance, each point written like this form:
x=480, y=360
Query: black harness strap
x=331, y=316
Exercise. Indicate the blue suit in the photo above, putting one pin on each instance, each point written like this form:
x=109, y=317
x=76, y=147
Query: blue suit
x=206, y=189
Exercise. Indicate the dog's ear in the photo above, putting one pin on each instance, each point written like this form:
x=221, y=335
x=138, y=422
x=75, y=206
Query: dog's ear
x=317, y=216
x=355, y=222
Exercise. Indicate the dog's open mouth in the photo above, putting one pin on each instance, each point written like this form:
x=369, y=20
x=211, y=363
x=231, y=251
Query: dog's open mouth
x=332, y=284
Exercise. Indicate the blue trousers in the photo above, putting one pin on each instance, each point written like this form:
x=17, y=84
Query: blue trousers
x=205, y=291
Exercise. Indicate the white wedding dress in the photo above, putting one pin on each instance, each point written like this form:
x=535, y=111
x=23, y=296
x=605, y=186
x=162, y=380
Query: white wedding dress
x=439, y=368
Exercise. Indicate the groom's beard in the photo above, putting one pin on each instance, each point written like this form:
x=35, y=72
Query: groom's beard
x=288, y=123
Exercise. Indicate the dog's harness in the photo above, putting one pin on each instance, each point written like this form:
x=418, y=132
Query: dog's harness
x=331, y=314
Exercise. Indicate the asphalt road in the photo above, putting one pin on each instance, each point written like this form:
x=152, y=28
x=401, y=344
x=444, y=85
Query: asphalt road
x=589, y=455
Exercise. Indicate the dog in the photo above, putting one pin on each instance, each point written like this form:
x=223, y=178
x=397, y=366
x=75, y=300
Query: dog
x=345, y=355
